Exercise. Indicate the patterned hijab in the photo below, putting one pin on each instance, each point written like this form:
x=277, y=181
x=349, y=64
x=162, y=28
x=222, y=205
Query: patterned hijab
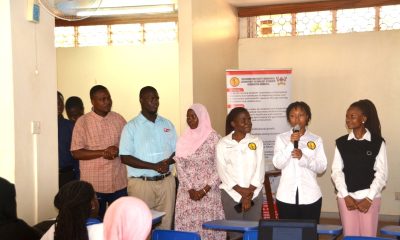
x=192, y=139
x=127, y=218
x=8, y=205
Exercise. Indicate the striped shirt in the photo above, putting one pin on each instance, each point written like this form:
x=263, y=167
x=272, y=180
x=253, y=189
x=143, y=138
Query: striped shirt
x=93, y=132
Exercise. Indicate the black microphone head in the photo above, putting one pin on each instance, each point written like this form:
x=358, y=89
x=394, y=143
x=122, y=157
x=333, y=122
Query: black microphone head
x=296, y=128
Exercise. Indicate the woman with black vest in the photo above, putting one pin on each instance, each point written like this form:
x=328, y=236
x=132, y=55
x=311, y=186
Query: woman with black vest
x=360, y=171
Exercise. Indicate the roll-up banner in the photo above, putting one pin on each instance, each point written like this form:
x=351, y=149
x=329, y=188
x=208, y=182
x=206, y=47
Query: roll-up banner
x=265, y=93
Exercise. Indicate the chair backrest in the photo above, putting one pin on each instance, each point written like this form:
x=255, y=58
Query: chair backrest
x=364, y=238
x=159, y=234
x=287, y=229
x=250, y=235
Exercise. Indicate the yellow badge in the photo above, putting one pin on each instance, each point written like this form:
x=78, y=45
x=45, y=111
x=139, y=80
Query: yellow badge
x=311, y=145
x=252, y=146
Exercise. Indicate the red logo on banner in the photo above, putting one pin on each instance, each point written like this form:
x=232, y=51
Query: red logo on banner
x=166, y=129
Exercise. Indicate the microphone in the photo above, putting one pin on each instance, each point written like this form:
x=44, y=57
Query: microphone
x=296, y=129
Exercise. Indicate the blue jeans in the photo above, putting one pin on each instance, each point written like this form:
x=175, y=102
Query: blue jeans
x=107, y=198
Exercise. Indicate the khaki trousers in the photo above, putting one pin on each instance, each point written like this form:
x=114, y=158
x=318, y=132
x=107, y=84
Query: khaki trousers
x=158, y=195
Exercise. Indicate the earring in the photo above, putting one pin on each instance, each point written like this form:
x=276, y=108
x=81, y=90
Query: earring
x=363, y=122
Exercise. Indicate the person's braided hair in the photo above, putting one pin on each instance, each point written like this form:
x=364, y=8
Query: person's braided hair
x=74, y=204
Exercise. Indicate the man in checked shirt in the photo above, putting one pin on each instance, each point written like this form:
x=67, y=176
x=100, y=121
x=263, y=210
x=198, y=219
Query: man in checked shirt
x=95, y=142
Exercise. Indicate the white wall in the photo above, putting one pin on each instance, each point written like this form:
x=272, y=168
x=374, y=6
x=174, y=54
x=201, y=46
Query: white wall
x=214, y=46
x=185, y=59
x=124, y=71
x=29, y=96
x=7, y=143
x=329, y=73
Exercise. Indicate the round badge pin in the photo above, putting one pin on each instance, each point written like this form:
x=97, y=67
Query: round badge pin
x=252, y=146
x=311, y=145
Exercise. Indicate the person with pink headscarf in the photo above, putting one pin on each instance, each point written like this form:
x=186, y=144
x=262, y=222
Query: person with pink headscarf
x=199, y=197
x=128, y=218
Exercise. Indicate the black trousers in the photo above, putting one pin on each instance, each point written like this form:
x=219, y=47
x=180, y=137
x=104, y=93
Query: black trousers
x=300, y=211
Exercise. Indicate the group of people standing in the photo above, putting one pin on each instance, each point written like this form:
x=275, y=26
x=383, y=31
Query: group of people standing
x=359, y=169
x=222, y=177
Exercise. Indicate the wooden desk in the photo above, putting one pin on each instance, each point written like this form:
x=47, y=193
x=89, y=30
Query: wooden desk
x=156, y=216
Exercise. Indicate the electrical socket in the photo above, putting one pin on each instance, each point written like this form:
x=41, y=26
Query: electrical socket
x=35, y=127
x=397, y=195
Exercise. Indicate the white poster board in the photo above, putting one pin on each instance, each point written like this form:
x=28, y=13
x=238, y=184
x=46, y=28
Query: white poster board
x=265, y=94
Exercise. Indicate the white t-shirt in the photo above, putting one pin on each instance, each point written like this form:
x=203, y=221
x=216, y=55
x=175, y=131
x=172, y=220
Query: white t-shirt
x=95, y=232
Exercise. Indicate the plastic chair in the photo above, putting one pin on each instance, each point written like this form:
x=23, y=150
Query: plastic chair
x=364, y=238
x=333, y=231
x=159, y=234
x=392, y=230
x=250, y=235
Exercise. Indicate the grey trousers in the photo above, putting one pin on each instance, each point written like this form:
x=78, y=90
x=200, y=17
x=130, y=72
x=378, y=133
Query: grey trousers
x=253, y=214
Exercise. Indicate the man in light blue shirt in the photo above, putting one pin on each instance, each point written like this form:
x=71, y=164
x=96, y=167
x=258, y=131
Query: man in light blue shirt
x=147, y=146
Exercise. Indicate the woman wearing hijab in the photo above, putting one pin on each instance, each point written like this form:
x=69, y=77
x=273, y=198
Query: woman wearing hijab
x=199, y=197
x=12, y=228
x=128, y=218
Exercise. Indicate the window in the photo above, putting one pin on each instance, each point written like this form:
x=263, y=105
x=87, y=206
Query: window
x=311, y=23
x=126, y=34
x=323, y=22
x=160, y=32
x=274, y=25
x=115, y=35
x=390, y=17
x=355, y=20
x=64, y=36
x=92, y=36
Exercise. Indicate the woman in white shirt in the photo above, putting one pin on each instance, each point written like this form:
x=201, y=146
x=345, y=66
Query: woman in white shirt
x=78, y=207
x=300, y=155
x=360, y=171
x=240, y=165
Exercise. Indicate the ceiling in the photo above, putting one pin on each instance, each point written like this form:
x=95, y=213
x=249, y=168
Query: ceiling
x=248, y=3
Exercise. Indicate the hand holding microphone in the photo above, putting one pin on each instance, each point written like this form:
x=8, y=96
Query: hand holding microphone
x=296, y=129
x=296, y=153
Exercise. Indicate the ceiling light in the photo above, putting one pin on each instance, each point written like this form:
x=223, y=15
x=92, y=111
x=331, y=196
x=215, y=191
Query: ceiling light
x=150, y=9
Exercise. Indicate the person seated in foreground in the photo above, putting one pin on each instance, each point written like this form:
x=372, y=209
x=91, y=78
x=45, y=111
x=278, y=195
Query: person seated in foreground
x=127, y=218
x=78, y=207
x=12, y=228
